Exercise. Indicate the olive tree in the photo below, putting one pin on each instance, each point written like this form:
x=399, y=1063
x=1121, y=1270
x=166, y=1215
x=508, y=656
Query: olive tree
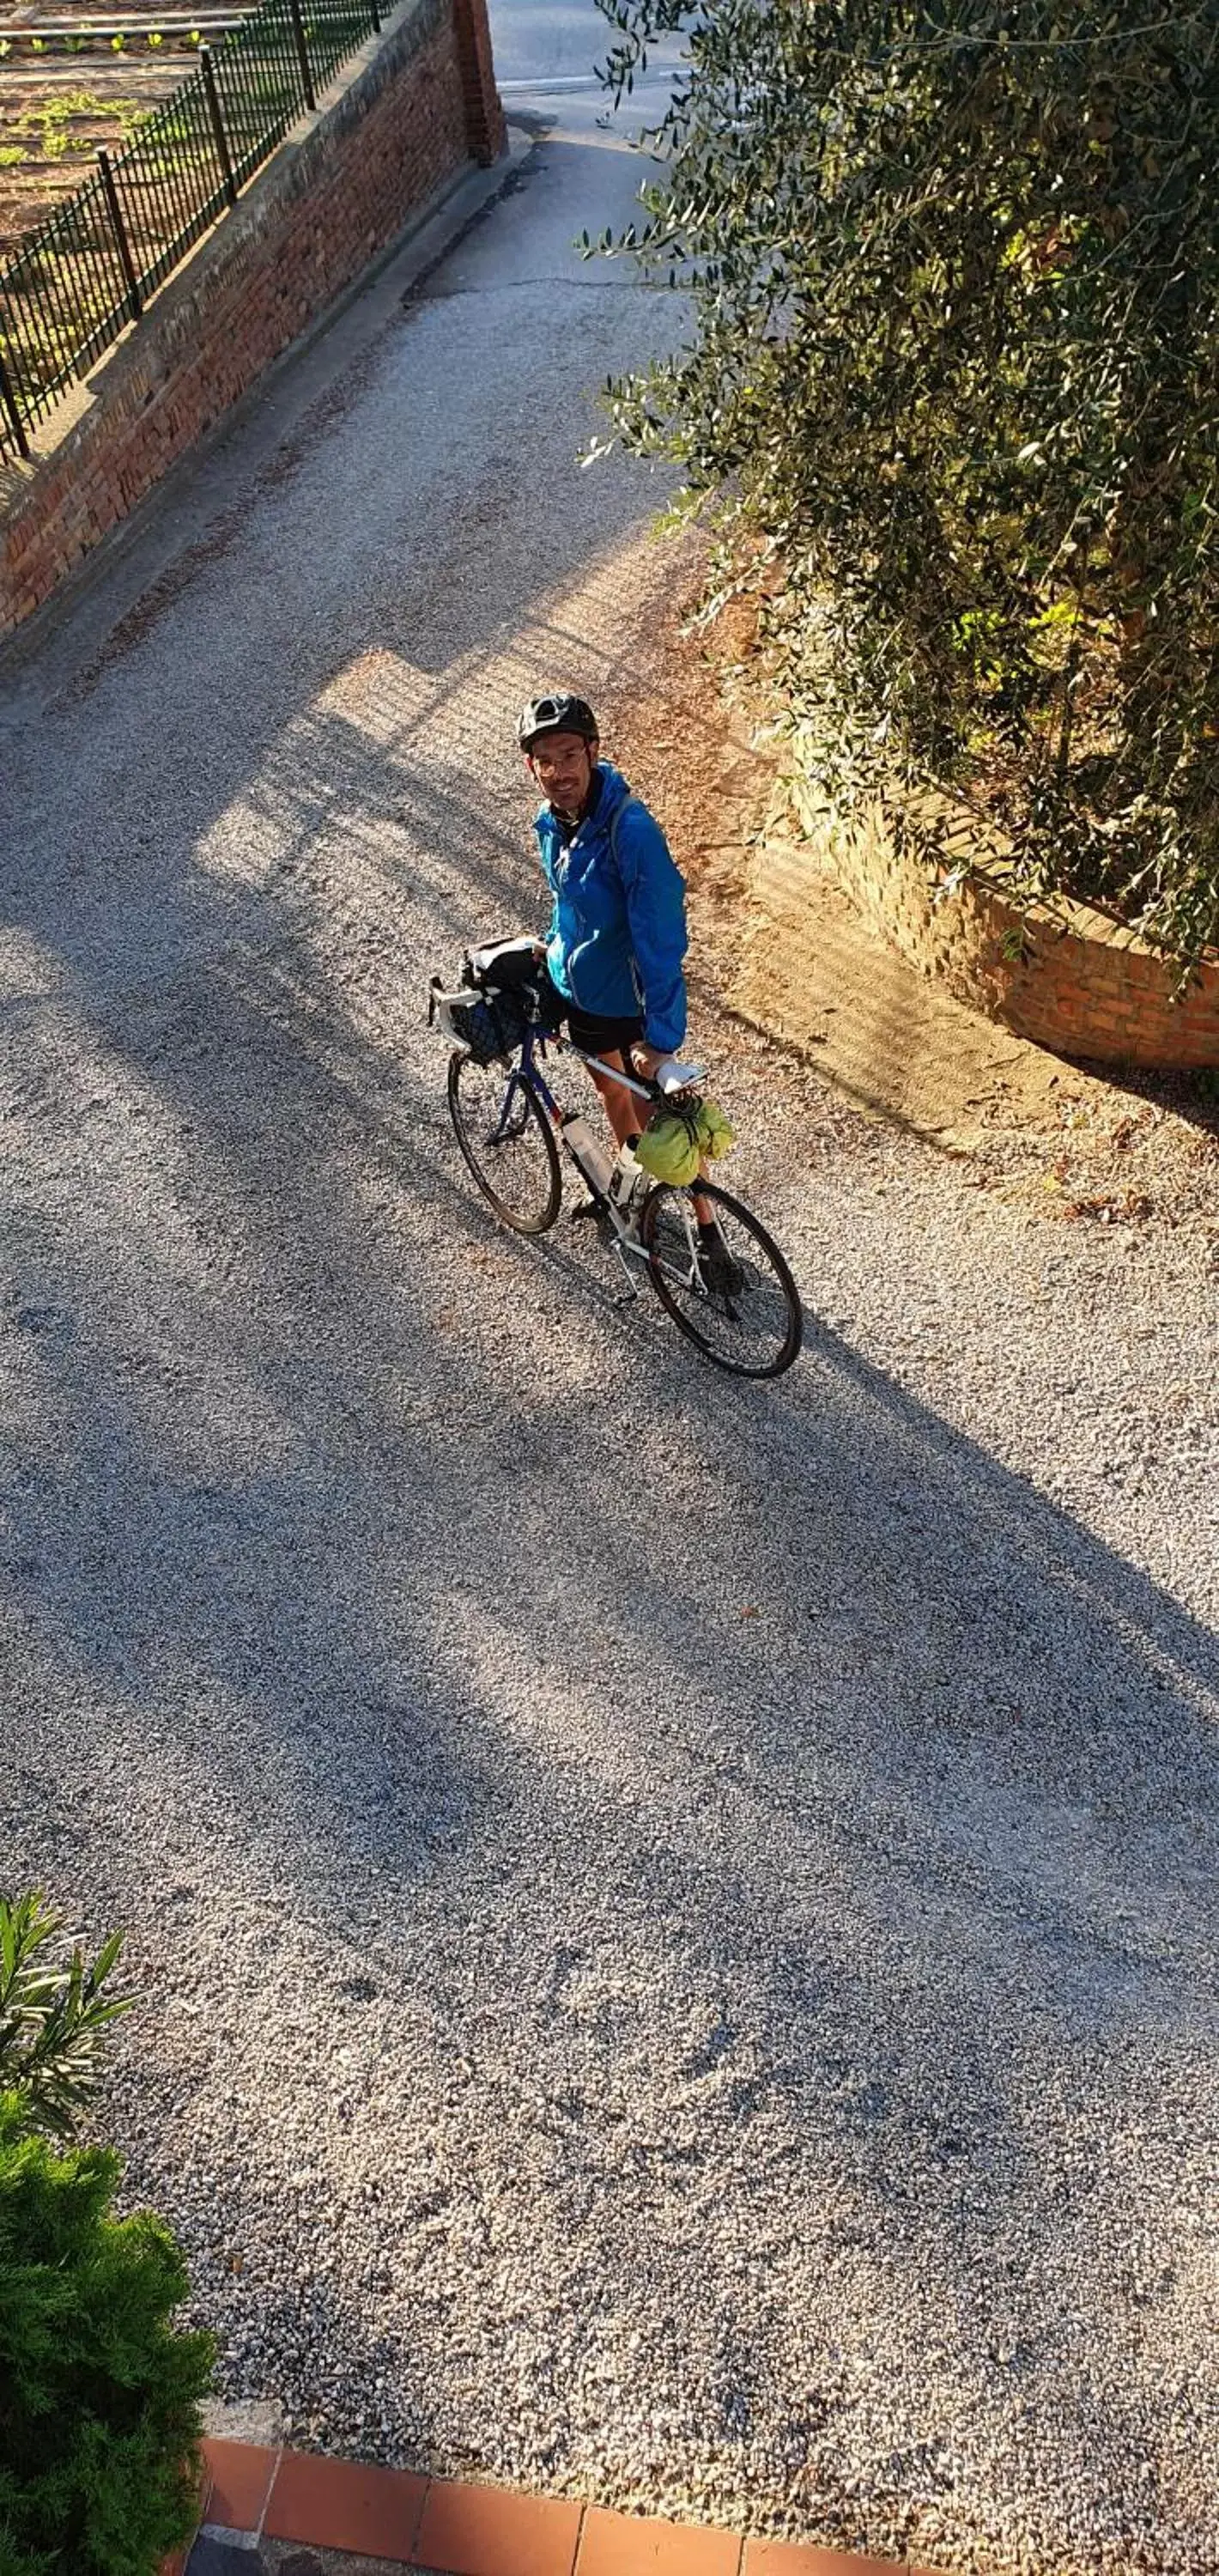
x=954, y=375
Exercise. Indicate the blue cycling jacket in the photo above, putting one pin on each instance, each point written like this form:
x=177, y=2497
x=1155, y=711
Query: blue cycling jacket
x=617, y=932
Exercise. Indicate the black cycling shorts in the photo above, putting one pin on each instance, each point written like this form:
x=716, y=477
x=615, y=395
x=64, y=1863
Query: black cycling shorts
x=593, y=1034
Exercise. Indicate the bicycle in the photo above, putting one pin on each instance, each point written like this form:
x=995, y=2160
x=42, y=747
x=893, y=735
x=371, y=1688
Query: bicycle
x=509, y=1127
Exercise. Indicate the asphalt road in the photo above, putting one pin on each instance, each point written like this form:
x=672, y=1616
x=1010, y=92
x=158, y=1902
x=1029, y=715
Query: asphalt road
x=542, y=43
x=676, y=1924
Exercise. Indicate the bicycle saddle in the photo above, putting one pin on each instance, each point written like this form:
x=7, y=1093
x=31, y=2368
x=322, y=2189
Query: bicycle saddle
x=505, y=961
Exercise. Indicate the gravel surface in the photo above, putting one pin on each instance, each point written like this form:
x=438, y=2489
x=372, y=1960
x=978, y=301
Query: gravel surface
x=676, y=1922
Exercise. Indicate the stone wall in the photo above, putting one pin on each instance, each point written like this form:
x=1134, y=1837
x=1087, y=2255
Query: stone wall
x=1071, y=979
x=411, y=111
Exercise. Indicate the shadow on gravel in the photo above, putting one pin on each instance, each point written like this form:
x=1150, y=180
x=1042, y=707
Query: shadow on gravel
x=753, y=1886
x=665, y=1910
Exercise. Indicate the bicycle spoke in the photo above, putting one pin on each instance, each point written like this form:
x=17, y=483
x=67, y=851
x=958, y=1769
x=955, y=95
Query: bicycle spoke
x=738, y=1301
x=506, y=1140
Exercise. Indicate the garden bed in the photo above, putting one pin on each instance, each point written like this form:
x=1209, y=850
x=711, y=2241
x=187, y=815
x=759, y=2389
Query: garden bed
x=75, y=80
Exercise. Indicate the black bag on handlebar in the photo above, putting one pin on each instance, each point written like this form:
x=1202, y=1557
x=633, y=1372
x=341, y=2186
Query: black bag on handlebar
x=489, y=1024
x=510, y=992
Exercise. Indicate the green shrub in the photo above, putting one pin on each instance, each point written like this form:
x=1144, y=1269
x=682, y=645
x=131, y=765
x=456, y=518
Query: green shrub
x=99, y=2396
x=955, y=279
x=100, y=2422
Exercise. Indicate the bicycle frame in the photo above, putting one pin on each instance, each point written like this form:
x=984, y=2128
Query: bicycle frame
x=526, y=1073
x=627, y=1081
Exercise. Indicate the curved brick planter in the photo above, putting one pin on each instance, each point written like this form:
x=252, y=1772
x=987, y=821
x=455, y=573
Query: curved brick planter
x=1071, y=979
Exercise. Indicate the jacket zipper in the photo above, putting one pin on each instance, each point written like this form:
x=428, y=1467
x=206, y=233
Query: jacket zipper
x=561, y=868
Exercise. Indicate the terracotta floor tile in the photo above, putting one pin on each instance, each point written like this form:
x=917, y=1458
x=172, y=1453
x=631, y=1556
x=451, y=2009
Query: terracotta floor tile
x=240, y=2475
x=624, y=2544
x=803, y=2558
x=495, y=2531
x=341, y=2504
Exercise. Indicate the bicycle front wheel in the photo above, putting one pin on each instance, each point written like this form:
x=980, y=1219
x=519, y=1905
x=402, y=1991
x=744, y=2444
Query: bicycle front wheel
x=507, y=1142
x=739, y=1304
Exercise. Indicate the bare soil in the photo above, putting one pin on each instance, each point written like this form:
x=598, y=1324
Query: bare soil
x=1085, y=1144
x=65, y=96
x=54, y=121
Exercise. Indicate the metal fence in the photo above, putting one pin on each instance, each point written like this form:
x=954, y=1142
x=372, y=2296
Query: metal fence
x=83, y=275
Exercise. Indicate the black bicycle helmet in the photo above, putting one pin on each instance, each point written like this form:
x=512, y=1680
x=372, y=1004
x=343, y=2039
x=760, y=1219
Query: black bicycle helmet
x=558, y=712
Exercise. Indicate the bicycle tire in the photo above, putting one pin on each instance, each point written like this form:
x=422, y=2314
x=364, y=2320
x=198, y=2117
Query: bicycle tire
x=471, y=1087
x=737, y=1324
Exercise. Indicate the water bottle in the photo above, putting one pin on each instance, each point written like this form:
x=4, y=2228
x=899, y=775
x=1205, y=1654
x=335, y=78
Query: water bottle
x=592, y=1158
x=628, y=1182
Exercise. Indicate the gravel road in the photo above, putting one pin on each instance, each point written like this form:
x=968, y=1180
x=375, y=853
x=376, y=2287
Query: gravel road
x=676, y=1923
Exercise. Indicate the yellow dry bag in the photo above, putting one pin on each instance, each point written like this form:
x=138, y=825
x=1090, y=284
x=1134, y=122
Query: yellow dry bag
x=677, y=1142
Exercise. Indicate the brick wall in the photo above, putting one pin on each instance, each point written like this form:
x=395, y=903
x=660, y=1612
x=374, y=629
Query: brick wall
x=1072, y=980
x=414, y=108
x=484, y=113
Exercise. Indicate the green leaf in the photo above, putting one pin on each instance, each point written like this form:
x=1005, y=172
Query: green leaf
x=954, y=314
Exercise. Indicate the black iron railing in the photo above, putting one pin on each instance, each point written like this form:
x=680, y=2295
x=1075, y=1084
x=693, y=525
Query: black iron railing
x=90, y=268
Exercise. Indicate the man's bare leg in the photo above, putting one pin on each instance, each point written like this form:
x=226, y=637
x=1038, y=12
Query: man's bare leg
x=623, y=1108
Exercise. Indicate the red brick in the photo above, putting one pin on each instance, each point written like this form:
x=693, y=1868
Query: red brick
x=804, y=2558
x=341, y=2504
x=623, y=2544
x=494, y=2531
x=240, y=2475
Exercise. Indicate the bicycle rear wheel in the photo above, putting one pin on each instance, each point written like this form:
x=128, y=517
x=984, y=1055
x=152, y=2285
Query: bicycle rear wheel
x=749, y=1320
x=507, y=1142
